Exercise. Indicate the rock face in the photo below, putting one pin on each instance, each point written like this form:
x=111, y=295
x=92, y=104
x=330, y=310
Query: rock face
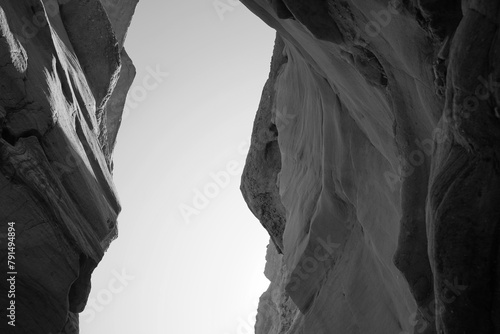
x=374, y=166
x=64, y=75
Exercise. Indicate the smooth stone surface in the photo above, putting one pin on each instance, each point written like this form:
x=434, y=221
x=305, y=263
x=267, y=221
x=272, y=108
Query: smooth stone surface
x=388, y=167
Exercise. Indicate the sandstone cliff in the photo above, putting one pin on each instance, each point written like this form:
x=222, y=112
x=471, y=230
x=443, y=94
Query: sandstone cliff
x=374, y=166
x=64, y=75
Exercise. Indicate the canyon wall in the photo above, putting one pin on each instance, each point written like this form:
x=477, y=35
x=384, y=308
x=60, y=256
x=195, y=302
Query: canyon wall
x=374, y=166
x=64, y=76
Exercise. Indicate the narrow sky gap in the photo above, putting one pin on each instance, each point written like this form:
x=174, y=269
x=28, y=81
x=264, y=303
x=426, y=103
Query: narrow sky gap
x=203, y=71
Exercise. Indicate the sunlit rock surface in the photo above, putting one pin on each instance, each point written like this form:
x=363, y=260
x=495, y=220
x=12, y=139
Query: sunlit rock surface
x=64, y=75
x=374, y=167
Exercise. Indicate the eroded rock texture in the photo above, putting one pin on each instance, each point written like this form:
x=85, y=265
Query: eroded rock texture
x=375, y=167
x=64, y=75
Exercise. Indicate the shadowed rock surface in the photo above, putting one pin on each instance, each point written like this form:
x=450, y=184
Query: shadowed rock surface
x=374, y=166
x=64, y=76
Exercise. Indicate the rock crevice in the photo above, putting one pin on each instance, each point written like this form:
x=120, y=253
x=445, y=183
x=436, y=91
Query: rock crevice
x=386, y=166
x=64, y=76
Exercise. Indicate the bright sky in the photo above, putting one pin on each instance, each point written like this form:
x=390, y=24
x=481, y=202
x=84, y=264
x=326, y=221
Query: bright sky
x=201, y=273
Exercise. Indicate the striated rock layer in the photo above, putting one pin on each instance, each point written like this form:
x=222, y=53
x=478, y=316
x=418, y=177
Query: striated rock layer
x=64, y=75
x=374, y=166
